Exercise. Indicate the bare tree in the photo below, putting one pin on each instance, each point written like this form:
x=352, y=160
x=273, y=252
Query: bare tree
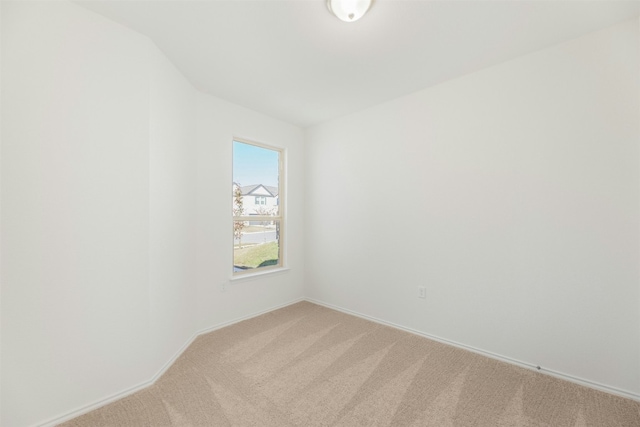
x=264, y=211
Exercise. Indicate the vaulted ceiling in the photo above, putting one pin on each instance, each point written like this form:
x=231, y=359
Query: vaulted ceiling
x=293, y=60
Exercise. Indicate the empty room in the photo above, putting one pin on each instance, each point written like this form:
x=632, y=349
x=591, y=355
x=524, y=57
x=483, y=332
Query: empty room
x=319, y=213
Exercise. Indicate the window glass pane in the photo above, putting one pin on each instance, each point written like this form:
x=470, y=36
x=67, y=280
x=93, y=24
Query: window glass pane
x=255, y=180
x=256, y=244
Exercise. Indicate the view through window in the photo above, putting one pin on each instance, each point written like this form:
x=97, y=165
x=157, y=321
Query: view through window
x=257, y=207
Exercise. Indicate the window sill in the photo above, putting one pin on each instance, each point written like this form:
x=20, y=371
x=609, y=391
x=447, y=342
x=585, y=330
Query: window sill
x=257, y=275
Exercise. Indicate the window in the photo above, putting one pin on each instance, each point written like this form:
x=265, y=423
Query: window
x=258, y=217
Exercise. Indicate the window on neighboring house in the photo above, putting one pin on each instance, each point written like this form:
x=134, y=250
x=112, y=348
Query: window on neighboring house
x=257, y=226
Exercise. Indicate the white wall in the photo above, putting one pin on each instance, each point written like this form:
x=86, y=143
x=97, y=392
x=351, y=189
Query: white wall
x=116, y=228
x=104, y=211
x=0, y=208
x=525, y=230
x=172, y=257
x=75, y=209
x=218, y=122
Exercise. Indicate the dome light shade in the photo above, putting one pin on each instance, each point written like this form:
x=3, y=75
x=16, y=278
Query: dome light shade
x=349, y=10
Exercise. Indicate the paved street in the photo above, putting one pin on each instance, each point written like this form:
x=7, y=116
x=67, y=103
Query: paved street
x=259, y=237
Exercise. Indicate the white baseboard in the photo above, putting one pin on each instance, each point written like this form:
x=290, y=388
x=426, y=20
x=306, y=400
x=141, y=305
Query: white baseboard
x=250, y=316
x=531, y=366
x=102, y=402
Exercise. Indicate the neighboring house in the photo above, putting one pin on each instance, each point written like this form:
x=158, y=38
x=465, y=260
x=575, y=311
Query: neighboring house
x=258, y=199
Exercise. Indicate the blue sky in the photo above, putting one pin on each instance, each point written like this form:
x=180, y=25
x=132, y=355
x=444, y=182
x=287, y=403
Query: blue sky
x=254, y=165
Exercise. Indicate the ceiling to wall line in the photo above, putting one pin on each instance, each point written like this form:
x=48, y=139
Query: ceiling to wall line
x=293, y=60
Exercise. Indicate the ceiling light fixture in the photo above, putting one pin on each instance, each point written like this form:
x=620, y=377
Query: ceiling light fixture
x=349, y=10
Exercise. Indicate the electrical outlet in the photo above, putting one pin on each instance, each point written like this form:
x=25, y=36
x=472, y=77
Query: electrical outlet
x=223, y=286
x=422, y=292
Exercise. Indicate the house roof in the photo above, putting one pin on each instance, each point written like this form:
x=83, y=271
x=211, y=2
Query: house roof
x=248, y=190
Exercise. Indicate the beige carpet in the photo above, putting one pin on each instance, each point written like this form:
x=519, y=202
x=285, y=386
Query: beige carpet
x=306, y=365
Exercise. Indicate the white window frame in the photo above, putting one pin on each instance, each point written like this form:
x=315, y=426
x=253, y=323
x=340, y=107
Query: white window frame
x=279, y=217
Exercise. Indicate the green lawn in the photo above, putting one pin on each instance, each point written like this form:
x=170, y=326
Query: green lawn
x=256, y=256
